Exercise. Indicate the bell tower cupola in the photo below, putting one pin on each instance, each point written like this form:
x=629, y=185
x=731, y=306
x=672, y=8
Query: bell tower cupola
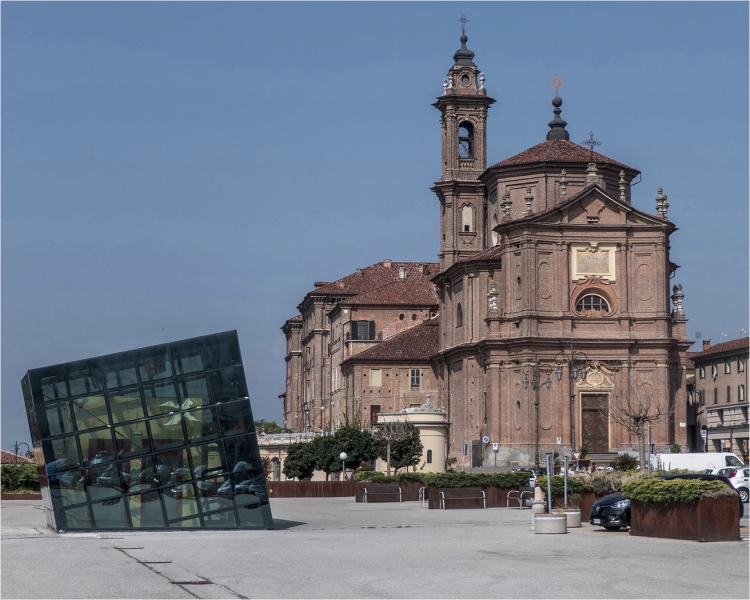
x=463, y=110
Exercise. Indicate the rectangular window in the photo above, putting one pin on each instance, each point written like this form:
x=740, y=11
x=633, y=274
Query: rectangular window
x=374, y=411
x=714, y=370
x=716, y=395
x=702, y=397
x=416, y=375
x=376, y=377
x=740, y=364
x=363, y=330
x=702, y=371
x=740, y=393
x=727, y=366
x=729, y=393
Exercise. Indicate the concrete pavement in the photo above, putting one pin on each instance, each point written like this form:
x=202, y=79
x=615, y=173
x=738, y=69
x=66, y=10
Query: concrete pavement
x=336, y=548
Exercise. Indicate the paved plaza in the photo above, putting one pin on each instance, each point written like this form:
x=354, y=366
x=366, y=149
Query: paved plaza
x=336, y=548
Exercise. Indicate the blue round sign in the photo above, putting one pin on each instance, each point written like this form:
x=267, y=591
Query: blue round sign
x=486, y=440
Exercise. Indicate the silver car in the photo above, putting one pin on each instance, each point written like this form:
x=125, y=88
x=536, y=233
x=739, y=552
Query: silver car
x=738, y=477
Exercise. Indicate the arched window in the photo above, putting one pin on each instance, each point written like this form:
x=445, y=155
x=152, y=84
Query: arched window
x=466, y=140
x=467, y=218
x=592, y=305
x=429, y=456
x=459, y=315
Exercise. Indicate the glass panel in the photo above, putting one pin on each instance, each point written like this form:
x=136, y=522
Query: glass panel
x=215, y=493
x=60, y=453
x=201, y=424
x=126, y=405
x=180, y=501
x=55, y=419
x=167, y=431
x=85, y=378
x=223, y=351
x=111, y=514
x=104, y=483
x=221, y=520
x=239, y=454
x=97, y=449
x=53, y=387
x=77, y=518
x=68, y=486
x=188, y=358
x=229, y=384
x=208, y=460
x=193, y=523
x=132, y=439
x=90, y=412
x=119, y=370
x=174, y=467
x=160, y=399
x=140, y=475
x=253, y=511
x=145, y=510
x=154, y=364
x=235, y=418
x=194, y=392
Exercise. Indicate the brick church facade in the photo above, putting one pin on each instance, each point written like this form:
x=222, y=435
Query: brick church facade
x=546, y=271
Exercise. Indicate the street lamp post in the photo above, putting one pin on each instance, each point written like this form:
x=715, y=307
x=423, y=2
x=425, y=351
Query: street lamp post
x=535, y=386
x=573, y=372
x=342, y=457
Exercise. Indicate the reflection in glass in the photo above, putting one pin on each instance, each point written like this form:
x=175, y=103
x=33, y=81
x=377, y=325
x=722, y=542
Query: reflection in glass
x=68, y=486
x=167, y=430
x=132, y=439
x=85, y=378
x=222, y=351
x=179, y=467
x=119, y=370
x=97, y=447
x=252, y=512
x=110, y=514
x=60, y=453
x=193, y=523
x=78, y=518
x=238, y=457
x=145, y=510
x=154, y=363
x=160, y=398
x=223, y=520
x=194, y=391
x=105, y=483
x=201, y=424
x=53, y=388
x=188, y=359
x=55, y=419
x=235, y=418
x=90, y=412
x=208, y=460
x=126, y=405
x=181, y=501
x=229, y=384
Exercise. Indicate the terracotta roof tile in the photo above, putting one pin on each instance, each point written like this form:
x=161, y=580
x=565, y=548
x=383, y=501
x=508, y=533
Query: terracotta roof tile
x=690, y=363
x=418, y=343
x=417, y=292
x=558, y=151
x=738, y=344
x=295, y=319
x=375, y=276
x=8, y=458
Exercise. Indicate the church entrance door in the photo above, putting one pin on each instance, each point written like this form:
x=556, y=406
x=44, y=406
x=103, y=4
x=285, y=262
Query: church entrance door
x=595, y=422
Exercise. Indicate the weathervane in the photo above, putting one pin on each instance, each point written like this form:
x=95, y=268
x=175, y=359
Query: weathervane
x=556, y=82
x=463, y=20
x=591, y=143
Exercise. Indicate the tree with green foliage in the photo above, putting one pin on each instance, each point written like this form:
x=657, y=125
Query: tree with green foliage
x=19, y=477
x=357, y=443
x=326, y=454
x=399, y=444
x=300, y=461
x=263, y=426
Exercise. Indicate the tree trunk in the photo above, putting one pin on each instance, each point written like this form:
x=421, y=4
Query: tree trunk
x=388, y=459
x=641, y=447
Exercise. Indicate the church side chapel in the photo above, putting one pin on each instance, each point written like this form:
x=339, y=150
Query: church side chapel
x=557, y=328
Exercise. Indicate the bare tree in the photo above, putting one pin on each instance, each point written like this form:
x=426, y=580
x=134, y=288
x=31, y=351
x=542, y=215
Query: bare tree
x=392, y=433
x=635, y=410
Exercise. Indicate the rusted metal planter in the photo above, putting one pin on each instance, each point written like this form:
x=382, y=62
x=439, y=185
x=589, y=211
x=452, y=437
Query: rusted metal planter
x=709, y=520
x=309, y=489
x=21, y=496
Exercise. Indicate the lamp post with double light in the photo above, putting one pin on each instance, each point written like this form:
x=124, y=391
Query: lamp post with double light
x=535, y=383
x=573, y=360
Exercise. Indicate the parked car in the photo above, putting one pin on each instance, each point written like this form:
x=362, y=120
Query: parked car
x=613, y=511
x=739, y=477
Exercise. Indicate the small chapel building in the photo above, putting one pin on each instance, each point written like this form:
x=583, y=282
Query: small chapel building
x=546, y=325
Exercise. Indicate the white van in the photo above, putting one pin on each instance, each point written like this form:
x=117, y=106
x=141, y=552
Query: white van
x=695, y=461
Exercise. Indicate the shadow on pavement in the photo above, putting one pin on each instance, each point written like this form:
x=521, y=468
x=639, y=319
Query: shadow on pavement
x=284, y=524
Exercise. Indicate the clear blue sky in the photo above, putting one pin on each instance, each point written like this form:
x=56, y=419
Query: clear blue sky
x=175, y=169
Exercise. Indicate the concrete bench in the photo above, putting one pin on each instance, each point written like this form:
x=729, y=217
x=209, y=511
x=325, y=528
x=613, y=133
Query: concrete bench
x=465, y=493
x=519, y=495
x=382, y=490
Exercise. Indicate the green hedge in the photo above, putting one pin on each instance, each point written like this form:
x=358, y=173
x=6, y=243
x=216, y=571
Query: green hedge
x=451, y=479
x=19, y=477
x=576, y=485
x=652, y=490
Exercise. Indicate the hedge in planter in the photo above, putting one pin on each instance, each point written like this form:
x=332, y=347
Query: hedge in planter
x=19, y=478
x=686, y=509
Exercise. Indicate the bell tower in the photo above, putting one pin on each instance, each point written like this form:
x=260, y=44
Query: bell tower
x=463, y=118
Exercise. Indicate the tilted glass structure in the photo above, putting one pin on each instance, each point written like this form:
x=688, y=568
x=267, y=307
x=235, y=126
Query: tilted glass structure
x=160, y=437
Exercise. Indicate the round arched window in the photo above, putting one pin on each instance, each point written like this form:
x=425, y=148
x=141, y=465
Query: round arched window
x=592, y=302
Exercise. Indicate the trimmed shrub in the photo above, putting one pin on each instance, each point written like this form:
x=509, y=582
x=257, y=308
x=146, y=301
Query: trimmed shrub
x=374, y=476
x=649, y=490
x=575, y=485
x=625, y=462
x=410, y=477
x=19, y=477
x=610, y=482
x=456, y=479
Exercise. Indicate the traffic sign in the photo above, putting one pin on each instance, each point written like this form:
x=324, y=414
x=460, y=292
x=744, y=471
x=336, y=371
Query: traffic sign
x=486, y=440
x=704, y=433
x=495, y=447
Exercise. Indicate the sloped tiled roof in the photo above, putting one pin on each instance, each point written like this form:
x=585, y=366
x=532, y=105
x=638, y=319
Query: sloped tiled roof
x=493, y=253
x=405, y=292
x=375, y=276
x=690, y=363
x=738, y=344
x=295, y=319
x=418, y=343
x=558, y=151
x=8, y=458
